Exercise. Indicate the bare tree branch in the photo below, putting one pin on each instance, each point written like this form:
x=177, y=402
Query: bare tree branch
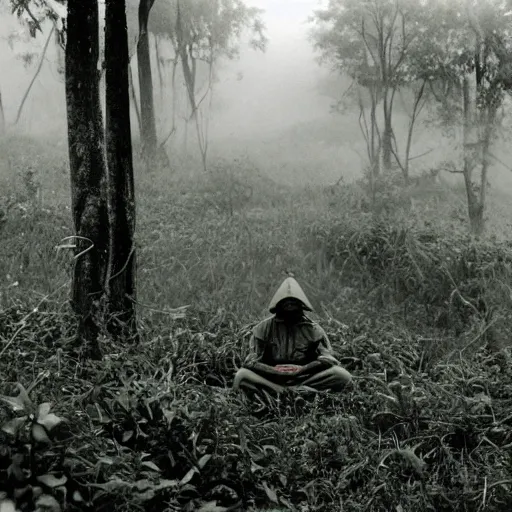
x=36, y=74
x=26, y=8
x=420, y=155
x=494, y=157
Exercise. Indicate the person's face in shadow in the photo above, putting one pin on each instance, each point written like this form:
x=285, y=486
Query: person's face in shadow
x=289, y=310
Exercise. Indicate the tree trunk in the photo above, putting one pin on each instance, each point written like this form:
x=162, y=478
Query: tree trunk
x=147, y=109
x=387, y=140
x=174, y=91
x=42, y=60
x=159, y=69
x=475, y=209
x=416, y=109
x=134, y=97
x=120, y=281
x=2, y=116
x=489, y=120
x=87, y=167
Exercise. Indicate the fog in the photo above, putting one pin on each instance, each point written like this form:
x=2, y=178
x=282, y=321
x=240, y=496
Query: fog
x=272, y=107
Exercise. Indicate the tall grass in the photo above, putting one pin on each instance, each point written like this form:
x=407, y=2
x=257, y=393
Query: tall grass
x=416, y=309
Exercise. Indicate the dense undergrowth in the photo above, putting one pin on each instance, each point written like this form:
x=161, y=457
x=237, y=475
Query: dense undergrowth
x=416, y=309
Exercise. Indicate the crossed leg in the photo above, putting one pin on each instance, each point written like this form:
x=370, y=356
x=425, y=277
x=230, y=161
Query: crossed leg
x=248, y=379
x=332, y=379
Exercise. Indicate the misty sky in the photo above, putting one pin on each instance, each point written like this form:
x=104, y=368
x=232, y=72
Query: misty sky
x=285, y=15
x=275, y=111
x=278, y=88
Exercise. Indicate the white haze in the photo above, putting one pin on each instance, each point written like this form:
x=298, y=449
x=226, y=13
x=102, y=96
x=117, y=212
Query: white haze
x=276, y=114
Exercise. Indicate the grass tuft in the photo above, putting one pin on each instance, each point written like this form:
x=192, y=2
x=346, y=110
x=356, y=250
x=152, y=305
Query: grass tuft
x=416, y=310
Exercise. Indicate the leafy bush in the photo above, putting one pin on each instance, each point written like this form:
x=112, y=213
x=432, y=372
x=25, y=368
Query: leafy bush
x=406, y=301
x=454, y=282
x=147, y=432
x=25, y=458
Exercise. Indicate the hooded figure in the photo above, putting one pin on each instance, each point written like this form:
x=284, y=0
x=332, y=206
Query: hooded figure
x=289, y=350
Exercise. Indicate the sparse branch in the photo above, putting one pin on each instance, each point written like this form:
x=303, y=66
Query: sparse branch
x=417, y=107
x=363, y=125
x=494, y=157
x=433, y=91
x=394, y=150
x=171, y=133
x=36, y=74
x=365, y=41
x=388, y=41
x=134, y=96
x=26, y=8
x=420, y=155
x=405, y=46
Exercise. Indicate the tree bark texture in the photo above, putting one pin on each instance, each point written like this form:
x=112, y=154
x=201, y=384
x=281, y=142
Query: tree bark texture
x=134, y=97
x=120, y=283
x=160, y=70
x=87, y=166
x=2, y=116
x=42, y=60
x=387, y=134
x=189, y=67
x=475, y=208
x=147, y=109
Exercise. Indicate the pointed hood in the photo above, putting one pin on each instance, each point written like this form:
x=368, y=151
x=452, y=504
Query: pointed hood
x=289, y=289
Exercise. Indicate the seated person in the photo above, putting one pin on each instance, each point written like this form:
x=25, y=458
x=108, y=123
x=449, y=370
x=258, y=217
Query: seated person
x=290, y=351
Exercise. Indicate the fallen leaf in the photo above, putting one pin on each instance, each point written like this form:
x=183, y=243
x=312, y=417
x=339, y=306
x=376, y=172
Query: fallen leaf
x=43, y=409
x=127, y=435
x=144, y=484
x=203, y=460
x=106, y=460
x=272, y=496
x=151, y=465
x=150, y=493
x=39, y=434
x=51, y=480
x=169, y=416
x=20, y=402
x=48, y=503
x=49, y=421
x=12, y=427
x=255, y=467
x=111, y=485
x=77, y=497
x=212, y=506
x=188, y=476
x=7, y=506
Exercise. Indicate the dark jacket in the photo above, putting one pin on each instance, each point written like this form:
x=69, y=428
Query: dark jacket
x=275, y=342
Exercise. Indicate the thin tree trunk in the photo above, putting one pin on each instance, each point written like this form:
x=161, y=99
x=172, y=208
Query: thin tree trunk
x=387, y=141
x=475, y=210
x=415, y=112
x=159, y=69
x=120, y=282
x=134, y=97
x=147, y=109
x=417, y=107
x=2, y=116
x=376, y=137
x=486, y=146
x=87, y=167
x=36, y=74
x=174, y=92
x=188, y=74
